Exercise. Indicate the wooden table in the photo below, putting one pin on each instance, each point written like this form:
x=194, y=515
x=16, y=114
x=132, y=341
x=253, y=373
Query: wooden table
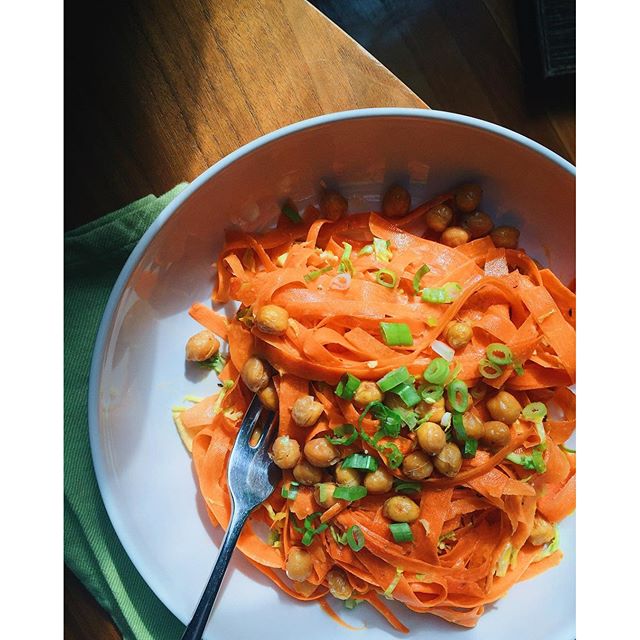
x=191, y=82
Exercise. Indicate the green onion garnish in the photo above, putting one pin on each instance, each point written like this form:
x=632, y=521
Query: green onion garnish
x=410, y=418
x=309, y=531
x=431, y=393
x=437, y=371
x=345, y=265
x=393, y=379
x=360, y=461
x=424, y=269
x=347, y=386
x=406, y=487
x=458, y=425
x=518, y=368
x=442, y=295
x=355, y=538
x=381, y=249
x=408, y=393
x=216, y=363
x=345, y=434
x=470, y=448
x=351, y=603
x=387, y=278
x=534, y=462
x=291, y=212
x=432, y=322
x=535, y=411
x=396, y=334
x=499, y=354
x=350, y=493
x=291, y=491
x=394, y=455
x=401, y=532
x=458, y=395
x=390, y=421
x=313, y=275
x=323, y=491
x=367, y=250
x=489, y=370
x=566, y=449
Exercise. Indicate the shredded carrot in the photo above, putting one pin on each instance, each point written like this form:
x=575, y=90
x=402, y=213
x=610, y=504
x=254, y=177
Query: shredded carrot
x=470, y=542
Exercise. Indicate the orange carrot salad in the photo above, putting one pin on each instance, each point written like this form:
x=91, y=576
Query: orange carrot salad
x=420, y=364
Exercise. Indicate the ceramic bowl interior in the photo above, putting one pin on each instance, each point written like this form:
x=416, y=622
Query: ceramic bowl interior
x=144, y=472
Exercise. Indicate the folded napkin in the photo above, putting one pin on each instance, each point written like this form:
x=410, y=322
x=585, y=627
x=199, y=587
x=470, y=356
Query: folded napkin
x=94, y=256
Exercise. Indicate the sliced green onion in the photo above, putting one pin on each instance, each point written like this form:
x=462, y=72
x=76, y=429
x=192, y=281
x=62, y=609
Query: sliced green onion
x=401, y=532
x=470, y=448
x=394, y=455
x=387, y=278
x=396, y=334
x=406, y=487
x=349, y=493
x=351, y=603
x=442, y=295
x=410, y=418
x=458, y=395
x=489, y=370
x=390, y=421
x=291, y=212
x=296, y=524
x=314, y=275
x=381, y=249
x=345, y=434
x=518, y=368
x=323, y=492
x=432, y=322
x=393, y=379
x=424, y=269
x=309, y=531
x=388, y=592
x=535, y=411
x=454, y=374
x=345, y=265
x=216, y=363
x=437, y=371
x=431, y=393
x=290, y=492
x=566, y=449
x=534, y=462
x=408, y=393
x=355, y=538
x=499, y=354
x=340, y=538
x=367, y=250
x=458, y=425
x=360, y=461
x=347, y=386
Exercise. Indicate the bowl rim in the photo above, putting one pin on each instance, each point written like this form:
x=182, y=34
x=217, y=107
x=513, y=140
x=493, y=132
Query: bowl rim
x=136, y=255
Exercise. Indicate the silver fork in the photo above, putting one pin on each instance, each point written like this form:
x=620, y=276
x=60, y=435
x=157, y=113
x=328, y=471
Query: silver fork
x=251, y=476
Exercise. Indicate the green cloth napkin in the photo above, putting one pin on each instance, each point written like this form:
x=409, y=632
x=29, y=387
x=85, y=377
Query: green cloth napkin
x=94, y=256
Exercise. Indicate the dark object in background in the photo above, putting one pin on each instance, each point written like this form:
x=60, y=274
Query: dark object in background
x=547, y=30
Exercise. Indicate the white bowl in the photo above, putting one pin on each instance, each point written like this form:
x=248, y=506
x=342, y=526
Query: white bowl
x=138, y=370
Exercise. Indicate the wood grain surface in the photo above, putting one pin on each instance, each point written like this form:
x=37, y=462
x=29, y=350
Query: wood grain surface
x=168, y=87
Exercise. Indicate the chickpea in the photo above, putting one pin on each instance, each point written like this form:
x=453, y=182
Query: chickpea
x=347, y=477
x=496, y=434
x=438, y=218
x=504, y=407
x=378, y=481
x=437, y=411
x=396, y=202
x=431, y=437
x=454, y=236
x=449, y=460
x=272, y=319
x=321, y=453
x=299, y=564
x=401, y=509
x=367, y=392
x=478, y=224
x=417, y=466
x=339, y=585
x=506, y=237
x=254, y=374
x=285, y=452
x=458, y=334
x=306, y=411
x=202, y=346
x=541, y=532
x=306, y=473
x=269, y=397
x=325, y=490
x=332, y=205
x=467, y=197
x=473, y=426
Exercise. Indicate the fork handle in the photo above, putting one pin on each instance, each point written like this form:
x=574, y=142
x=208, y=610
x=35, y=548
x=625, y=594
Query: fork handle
x=196, y=627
